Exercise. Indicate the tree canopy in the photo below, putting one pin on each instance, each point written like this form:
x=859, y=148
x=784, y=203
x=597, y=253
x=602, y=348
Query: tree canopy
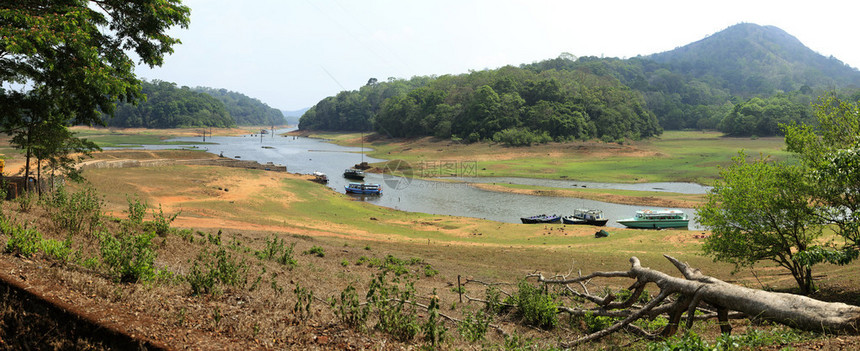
x=68, y=62
x=565, y=105
x=169, y=106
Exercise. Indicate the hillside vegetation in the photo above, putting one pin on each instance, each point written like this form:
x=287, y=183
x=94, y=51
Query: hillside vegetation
x=743, y=81
x=169, y=106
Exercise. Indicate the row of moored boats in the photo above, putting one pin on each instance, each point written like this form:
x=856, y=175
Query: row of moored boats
x=646, y=219
x=353, y=187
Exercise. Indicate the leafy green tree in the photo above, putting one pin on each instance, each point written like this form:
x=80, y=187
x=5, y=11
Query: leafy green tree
x=759, y=211
x=831, y=155
x=67, y=61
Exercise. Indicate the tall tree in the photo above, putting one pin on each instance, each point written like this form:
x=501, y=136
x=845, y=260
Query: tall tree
x=70, y=58
x=760, y=211
x=831, y=153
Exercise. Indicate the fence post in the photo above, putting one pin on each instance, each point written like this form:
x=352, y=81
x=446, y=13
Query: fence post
x=459, y=288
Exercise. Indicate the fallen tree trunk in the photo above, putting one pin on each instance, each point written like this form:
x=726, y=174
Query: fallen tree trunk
x=695, y=289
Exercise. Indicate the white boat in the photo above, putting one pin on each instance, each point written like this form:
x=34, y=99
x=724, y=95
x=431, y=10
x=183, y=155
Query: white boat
x=657, y=219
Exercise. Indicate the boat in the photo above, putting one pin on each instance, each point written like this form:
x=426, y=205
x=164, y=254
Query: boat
x=363, y=189
x=657, y=219
x=586, y=216
x=541, y=219
x=353, y=173
x=320, y=177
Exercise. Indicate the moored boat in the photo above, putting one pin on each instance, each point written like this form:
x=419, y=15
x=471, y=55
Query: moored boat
x=353, y=173
x=364, y=189
x=320, y=177
x=541, y=219
x=586, y=216
x=657, y=219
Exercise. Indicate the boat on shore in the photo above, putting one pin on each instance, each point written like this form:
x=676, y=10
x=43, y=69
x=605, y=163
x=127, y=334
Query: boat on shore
x=320, y=177
x=586, y=216
x=649, y=219
x=363, y=189
x=541, y=219
x=353, y=173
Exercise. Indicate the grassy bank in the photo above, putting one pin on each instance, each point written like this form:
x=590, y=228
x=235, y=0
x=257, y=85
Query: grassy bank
x=675, y=156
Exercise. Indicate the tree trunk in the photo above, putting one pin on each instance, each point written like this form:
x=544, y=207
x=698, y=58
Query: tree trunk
x=695, y=288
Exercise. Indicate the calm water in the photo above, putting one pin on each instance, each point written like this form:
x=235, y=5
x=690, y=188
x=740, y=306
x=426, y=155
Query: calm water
x=305, y=155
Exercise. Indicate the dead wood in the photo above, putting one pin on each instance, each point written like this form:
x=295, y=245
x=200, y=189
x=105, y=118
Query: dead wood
x=696, y=290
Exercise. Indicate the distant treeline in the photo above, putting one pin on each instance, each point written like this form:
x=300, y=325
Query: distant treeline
x=491, y=104
x=169, y=106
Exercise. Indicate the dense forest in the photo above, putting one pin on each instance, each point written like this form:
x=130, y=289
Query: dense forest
x=492, y=104
x=245, y=110
x=744, y=81
x=169, y=106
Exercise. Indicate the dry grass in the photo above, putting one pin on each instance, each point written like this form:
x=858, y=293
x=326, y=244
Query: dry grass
x=252, y=206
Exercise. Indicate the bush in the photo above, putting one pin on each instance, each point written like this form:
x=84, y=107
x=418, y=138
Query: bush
x=349, y=309
x=22, y=241
x=130, y=257
x=136, y=211
x=535, y=307
x=75, y=211
x=521, y=137
x=315, y=250
x=210, y=270
x=474, y=326
x=161, y=223
x=395, y=314
x=276, y=250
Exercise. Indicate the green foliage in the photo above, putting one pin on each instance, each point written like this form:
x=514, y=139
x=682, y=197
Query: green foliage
x=494, y=305
x=245, y=110
x=474, y=325
x=394, y=309
x=752, y=339
x=535, y=307
x=760, y=211
x=213, y=269
x=22, y=241
x=315, y=250
x=596, y=323
x=168, y=106
x=129, y=257
x=304, y=298
x=136, y=211
x=161, y=223
x=433, y=329
x=75, y=212
x=276, y=250
x=349, y=309
x=56, y=249
x=830, y=154
x=429, y=271
x=521, y=137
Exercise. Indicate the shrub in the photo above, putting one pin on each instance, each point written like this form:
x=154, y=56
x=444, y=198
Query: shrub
x=474, y=326
x=22, y=241
x=349, y=309
x=276, y=250
x=58, y=250
x=395, y=312
x=130, y=257
x=535, y=307
x=136, y=210
x=433, y=329
x=315, y=250
x=521, y=137
x=161, y=223
x=304, y=297
x=75, y=211
x=212, y=269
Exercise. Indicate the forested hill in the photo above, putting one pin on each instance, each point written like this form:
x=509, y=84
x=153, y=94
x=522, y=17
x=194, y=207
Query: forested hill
x=510, y=104
x=246, y=110
x=744, y=80
x=169, y=106
x=748, y=59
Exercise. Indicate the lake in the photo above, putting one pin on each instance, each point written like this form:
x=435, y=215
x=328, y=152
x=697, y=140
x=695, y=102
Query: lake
x=306, y=155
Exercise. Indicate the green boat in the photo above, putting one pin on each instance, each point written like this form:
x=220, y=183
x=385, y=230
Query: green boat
x=657, y=219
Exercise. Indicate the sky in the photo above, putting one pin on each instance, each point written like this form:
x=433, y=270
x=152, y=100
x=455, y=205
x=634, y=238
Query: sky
x=290, y=54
